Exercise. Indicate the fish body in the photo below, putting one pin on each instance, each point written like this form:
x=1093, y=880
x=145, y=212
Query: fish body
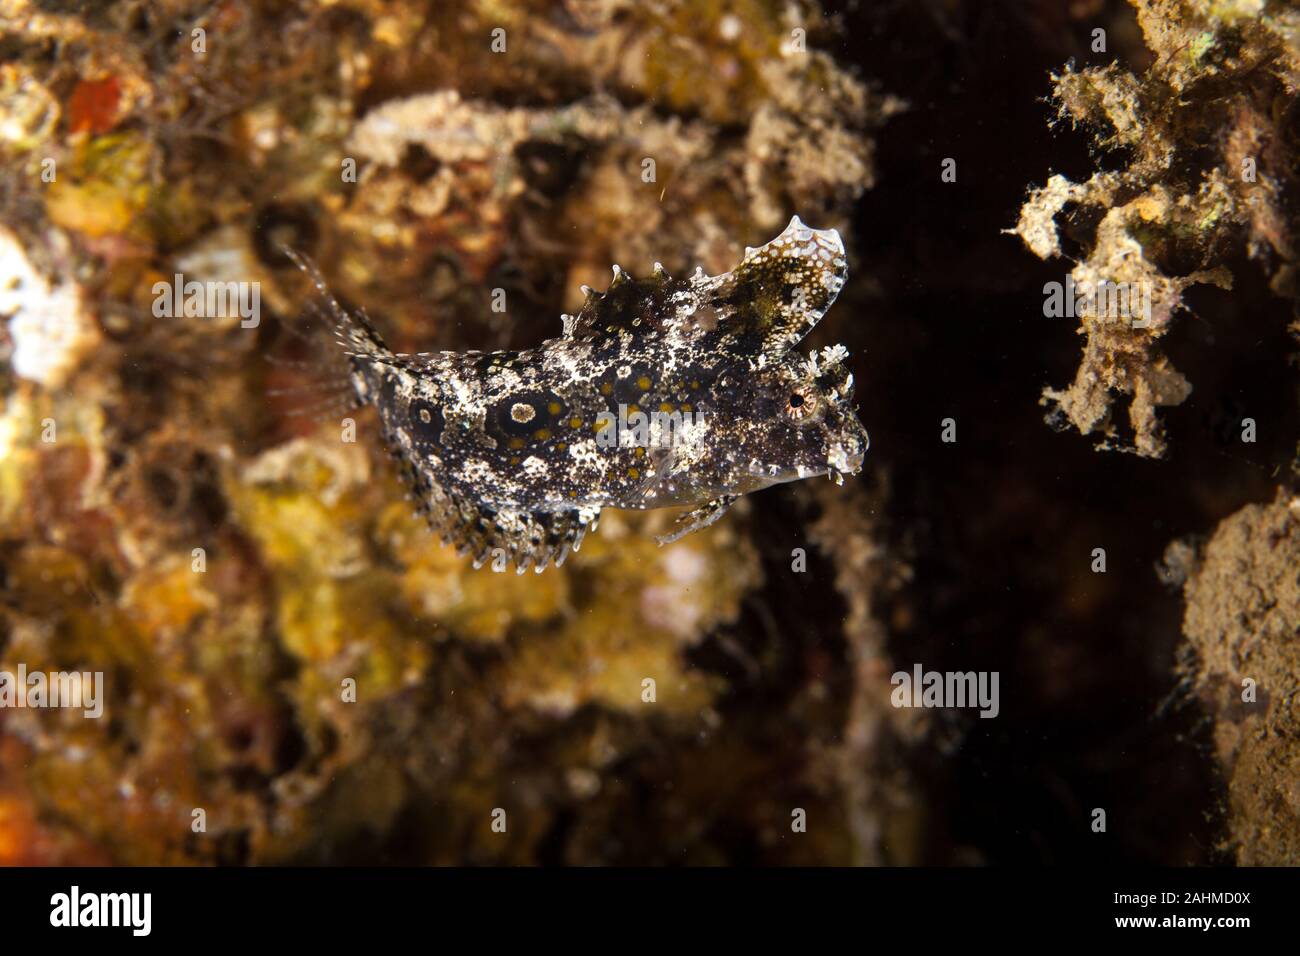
x=661, y=391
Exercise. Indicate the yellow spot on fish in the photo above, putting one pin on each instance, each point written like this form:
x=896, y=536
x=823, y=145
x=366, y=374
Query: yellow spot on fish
x=542, y=434
x=516, y=443
x=644, y=382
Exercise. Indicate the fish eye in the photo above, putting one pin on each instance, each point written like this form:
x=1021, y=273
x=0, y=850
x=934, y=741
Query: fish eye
x=802, y=404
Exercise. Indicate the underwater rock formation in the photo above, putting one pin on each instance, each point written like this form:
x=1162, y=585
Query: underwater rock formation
x=1243, y=664
x=1201, y=145
x=296, y=671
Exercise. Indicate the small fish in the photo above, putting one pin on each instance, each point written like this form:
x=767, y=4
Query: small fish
x=659, y=392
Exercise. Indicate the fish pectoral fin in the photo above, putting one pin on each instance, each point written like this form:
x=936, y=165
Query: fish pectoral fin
x=698, y=518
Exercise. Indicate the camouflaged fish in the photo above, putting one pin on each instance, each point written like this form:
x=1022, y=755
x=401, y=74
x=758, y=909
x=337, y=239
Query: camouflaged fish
x=660, y=392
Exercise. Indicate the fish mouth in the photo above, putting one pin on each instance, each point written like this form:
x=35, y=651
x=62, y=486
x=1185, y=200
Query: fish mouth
x=847, y=458
x=852, y=466
x=843, y=458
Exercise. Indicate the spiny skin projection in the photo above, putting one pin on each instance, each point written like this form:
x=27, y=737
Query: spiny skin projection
x=660, y=392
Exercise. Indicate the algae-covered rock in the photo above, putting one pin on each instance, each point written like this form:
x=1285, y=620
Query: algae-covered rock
x=294, y=668
x=1243, y=637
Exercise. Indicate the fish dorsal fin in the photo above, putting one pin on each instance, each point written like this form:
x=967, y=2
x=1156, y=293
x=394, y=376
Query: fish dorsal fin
x=781, y=290
x=635, y=306
x=777, y=293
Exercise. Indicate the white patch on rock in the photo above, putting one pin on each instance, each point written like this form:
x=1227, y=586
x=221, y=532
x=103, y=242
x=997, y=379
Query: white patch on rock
x=51, y=328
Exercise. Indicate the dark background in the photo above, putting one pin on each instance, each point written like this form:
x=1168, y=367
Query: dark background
x=1004, y=521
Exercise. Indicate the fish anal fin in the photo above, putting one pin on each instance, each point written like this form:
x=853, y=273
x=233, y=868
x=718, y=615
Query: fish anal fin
x=505, y=536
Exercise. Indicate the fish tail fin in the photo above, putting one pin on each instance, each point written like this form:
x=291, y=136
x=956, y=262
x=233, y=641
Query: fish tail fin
x=310, y=380
x=353, y=329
